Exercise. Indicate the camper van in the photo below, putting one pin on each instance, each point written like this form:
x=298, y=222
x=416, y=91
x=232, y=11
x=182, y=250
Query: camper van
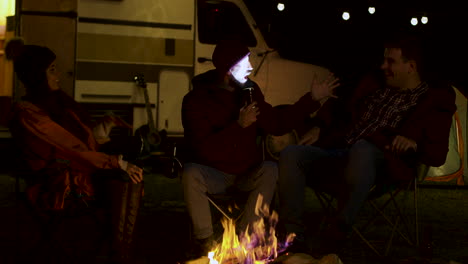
x=101, y=45
x=167, y=42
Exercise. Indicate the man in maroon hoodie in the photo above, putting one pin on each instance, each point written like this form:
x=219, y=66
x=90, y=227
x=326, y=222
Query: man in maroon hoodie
x=221, y=130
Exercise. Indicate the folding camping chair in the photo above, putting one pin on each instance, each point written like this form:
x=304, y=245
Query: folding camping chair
x=400, y=220
x=383, y=201
x=454, y=166
x=52, y=245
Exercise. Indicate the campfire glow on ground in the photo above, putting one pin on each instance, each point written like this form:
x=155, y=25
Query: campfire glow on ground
x=256, y=247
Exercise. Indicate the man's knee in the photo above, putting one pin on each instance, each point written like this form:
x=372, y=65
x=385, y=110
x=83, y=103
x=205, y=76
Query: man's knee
x=191, y=174
x=291, y=153
x=363, y=146
x=270, y=171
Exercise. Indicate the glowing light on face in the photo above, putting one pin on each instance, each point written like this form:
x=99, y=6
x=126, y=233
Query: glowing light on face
x=414, y=21
x=242, y=70
x=371, y=10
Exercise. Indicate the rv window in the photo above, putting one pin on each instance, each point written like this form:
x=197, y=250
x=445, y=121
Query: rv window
x=218, y=20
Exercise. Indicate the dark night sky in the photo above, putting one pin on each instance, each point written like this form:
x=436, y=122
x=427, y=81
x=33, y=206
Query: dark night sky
x=313, y=31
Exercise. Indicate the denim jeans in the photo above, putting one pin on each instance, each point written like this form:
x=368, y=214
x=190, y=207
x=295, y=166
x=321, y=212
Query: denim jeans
x=297, y=164
x=198, y=180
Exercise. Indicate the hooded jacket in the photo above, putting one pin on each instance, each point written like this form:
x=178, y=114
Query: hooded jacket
x=212, y=133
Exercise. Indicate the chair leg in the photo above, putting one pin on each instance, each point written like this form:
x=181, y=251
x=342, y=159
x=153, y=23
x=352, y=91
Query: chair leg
x=416, y=210
x=393, y=224
x=392, y=234
x=355, y=230
x=327, y=206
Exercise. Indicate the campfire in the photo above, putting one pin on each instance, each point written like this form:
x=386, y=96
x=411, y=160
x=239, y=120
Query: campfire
x=258, y=246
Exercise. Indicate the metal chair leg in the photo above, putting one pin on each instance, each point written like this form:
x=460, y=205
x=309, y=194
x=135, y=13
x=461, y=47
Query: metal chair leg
x=416, y=211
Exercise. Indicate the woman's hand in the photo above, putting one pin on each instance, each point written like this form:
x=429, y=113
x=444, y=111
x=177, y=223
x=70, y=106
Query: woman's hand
x=135, y=173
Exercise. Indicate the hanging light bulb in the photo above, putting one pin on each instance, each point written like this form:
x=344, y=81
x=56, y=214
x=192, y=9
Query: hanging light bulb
x=346, y=15
x=424, y=19
x=280, y=6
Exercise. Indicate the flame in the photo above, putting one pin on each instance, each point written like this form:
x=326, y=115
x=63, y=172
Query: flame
x=259, y=247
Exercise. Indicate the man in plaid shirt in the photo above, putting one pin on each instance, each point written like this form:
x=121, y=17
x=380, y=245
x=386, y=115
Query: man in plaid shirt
x=395, y=123
x=386, y=108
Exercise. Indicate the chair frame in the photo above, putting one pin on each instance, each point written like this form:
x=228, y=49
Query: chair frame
x=326, y=201
x=458, y=175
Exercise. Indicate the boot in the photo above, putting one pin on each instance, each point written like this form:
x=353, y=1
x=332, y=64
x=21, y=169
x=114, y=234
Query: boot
x=125, y=203
x=133, y=206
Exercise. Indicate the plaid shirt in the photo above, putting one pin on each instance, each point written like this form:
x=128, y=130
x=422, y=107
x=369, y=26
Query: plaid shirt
x=385, y=109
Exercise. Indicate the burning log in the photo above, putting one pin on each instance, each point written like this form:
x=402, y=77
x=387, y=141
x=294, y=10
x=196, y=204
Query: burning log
x=301, y=258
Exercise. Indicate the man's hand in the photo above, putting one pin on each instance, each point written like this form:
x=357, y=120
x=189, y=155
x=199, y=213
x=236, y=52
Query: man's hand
x=322, y=90
x=248, y=115
x=310, y=137
x=401, y=144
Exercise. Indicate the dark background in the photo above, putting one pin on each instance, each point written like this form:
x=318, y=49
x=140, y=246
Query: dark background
x=313, y=31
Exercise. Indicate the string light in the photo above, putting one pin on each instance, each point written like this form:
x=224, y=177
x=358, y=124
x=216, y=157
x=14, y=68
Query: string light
x=280, y=6
x=346, y=15
x=424, y=19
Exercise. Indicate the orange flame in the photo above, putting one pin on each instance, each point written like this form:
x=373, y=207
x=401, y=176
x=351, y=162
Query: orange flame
x=258, y=247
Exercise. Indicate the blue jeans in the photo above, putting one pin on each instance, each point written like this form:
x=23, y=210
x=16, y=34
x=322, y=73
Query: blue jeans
x=297, y=163
x=198, y=180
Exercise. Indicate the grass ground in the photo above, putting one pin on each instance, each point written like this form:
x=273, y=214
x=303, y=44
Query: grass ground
x=163, y=233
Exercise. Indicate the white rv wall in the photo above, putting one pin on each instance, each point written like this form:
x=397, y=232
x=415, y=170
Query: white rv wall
x=119, y=38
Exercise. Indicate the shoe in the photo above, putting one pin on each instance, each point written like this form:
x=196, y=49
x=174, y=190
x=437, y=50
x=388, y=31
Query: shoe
x=201, y=247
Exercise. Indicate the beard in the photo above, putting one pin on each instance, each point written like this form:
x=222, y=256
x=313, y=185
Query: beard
x=236, y=84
